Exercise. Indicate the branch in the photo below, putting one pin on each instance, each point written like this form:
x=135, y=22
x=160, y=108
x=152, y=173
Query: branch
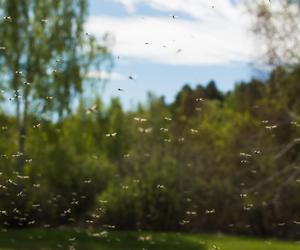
x=286, y=149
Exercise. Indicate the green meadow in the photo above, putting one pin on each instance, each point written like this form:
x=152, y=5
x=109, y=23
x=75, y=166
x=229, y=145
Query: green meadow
x=67, y=239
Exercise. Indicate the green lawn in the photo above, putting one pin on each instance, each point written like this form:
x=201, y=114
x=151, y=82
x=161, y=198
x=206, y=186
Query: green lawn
x=65, y=239
x=214, y=242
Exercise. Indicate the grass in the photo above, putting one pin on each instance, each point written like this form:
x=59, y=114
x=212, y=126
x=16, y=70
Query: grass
x=222, y=242
x=66, y=239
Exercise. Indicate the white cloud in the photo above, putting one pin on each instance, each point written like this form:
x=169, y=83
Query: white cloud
x=213, y=35
x=130, y=5
x=195, y=8
x=104, y=75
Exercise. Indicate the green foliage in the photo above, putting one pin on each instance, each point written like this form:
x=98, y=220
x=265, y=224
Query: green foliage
x=47, y=53
x=45, y=58
x=197, y=164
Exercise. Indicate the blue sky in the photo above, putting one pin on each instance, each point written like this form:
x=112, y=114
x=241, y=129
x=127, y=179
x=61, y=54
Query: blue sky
x=208, y=39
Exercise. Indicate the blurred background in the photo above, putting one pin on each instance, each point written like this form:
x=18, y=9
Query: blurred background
x=135, y=115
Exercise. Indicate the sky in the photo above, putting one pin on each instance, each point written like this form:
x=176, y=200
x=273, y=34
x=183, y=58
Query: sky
x=164, y=44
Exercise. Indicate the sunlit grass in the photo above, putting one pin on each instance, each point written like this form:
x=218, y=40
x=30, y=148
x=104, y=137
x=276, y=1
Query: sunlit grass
x=222, y=242
x=70, y=239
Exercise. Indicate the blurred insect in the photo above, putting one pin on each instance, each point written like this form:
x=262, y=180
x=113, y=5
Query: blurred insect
x=212, y=211
x=184, y=222
x=271, y=127
x=194, y=131
x=245, y=155
x=164, y=129
x=145, y=130
x=140, y=119
x=92, y=109
x=7, y=18
x=131, y=77
x=258, y=152
x=191, y=213
x=37, y=125
x=161, y=187
x=111, y=134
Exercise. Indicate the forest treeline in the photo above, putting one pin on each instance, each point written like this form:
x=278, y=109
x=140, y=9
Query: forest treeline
x=208, y=161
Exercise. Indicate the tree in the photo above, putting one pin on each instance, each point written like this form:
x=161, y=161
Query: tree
x=44, y=58
x=212, y=92
x=277, y=25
